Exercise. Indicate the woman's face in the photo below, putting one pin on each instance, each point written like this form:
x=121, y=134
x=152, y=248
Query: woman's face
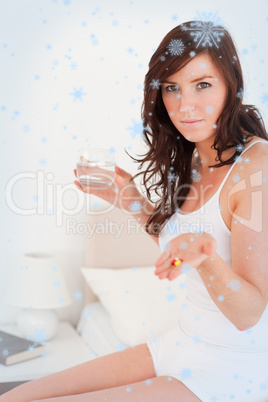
x=194, y=98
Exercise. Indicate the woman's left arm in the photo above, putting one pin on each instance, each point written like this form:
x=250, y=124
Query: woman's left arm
x=240, y=291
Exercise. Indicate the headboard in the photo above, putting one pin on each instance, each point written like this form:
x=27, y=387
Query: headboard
x=117, y=241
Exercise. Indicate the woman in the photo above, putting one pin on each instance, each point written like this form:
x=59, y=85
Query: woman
x=208, y=157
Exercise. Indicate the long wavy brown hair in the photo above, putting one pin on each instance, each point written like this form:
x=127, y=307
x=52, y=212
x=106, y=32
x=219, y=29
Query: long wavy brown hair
x=169, y=158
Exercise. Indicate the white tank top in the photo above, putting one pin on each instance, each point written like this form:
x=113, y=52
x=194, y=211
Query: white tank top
x=208, y=219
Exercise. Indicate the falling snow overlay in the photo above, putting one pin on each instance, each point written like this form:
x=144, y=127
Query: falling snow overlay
x=264, y=98
x=136, y=129
x=208, y=17
x=176, y=47
x=80, y=82
x=39, y=335
x=78, y=295
x=174, y=17
x=196, y=176
x=205, y=33
x=239, y=147
x=77, y=94
x=234, y=285
x=94, y=40
x=155, y=84
x=135, y=206
x=185, y=373
x=240, y=94
x=171, y=177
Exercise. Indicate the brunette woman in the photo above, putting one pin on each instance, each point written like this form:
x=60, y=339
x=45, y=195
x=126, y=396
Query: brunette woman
x=207, y=160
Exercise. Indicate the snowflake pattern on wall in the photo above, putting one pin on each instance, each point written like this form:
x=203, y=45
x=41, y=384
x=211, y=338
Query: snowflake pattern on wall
x=176, y=47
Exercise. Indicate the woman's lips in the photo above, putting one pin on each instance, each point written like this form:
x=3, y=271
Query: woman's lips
x=191, y=122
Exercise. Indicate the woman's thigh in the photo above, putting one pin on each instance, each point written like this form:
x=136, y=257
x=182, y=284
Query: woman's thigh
x=157, y=389
x=114, y=370
x=128, y=366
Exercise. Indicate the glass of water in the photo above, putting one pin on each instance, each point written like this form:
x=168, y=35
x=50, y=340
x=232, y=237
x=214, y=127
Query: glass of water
x=95, y=168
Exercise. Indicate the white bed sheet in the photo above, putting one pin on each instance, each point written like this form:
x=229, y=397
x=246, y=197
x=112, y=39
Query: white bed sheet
x=95, y=329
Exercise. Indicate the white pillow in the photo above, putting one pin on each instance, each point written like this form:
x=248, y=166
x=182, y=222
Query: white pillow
x=141, y=306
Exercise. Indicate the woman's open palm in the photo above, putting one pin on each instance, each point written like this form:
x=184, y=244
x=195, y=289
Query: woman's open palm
x=191, y=248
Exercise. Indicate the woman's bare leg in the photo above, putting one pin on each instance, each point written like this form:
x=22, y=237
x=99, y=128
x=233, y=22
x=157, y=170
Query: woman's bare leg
x=121, y=368
x=158, y=389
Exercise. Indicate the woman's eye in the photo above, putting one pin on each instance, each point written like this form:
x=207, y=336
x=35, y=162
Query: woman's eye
x=203, y=85
x=172, y=88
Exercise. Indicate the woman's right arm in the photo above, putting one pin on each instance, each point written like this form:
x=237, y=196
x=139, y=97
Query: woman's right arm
x=123, y=194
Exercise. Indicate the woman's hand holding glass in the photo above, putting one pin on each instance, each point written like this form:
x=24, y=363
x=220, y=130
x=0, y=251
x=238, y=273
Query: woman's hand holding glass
x=113, y=185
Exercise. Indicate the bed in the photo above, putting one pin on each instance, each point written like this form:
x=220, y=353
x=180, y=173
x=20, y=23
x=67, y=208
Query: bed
x=125, y=303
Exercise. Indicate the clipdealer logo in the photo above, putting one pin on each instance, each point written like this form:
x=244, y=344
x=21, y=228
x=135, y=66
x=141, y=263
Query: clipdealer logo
x=49, y=197
x=254, y=222
x=104, y=227
x=49, y=192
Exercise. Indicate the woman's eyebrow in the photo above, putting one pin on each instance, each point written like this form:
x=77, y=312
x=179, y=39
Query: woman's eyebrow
x=195, y=80
x=202, y=78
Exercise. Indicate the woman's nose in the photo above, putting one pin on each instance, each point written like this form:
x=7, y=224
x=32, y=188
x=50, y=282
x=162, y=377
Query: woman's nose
x=186, y=104
x=187, y=109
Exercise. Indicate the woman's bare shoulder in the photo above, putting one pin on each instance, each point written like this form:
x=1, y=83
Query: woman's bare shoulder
x=256, y=153
x=250, y=175
x=251, y=168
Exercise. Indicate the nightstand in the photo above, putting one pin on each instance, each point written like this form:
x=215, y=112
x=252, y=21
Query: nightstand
x=65, y=350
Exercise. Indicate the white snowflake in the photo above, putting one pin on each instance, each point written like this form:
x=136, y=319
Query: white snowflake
x=78, y=295
x=38, y=335
x=240, y=147
x=186, y=373
x=135, y=206
x=185, y=267
x=205, y=30
x=176, y=47
x=73, y=65
x=206, y=17
x=77, y=94
x=240, y=94
x=196, y=176
x=234, y=285
x=148, y=382
x=171, y=177
x=238, y=159
x=264, y=98
x=136, y=128
x=236, y=178
x=155, y=84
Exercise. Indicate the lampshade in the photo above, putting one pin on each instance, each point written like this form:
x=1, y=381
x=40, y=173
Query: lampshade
x=38, y=282
x=38, y=286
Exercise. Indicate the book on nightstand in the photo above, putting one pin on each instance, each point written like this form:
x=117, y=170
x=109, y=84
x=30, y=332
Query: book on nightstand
x=14, y=349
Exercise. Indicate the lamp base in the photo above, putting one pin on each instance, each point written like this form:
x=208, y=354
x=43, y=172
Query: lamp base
x=38, y=325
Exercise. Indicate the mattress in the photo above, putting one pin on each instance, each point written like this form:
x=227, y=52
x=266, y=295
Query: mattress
x=95, y=329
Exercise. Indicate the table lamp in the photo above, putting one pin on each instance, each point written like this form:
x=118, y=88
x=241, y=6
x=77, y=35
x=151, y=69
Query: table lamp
x=38, y=286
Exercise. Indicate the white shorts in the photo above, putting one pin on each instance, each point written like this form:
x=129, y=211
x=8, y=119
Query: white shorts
x=212, y=374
